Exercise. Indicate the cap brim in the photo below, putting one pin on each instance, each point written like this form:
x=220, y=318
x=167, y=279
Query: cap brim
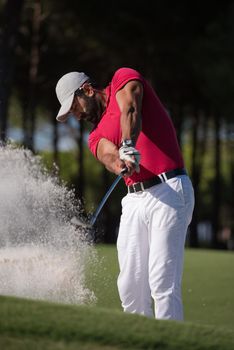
x=65, y=108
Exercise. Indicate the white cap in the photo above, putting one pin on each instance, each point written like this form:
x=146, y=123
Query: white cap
x=65, y=90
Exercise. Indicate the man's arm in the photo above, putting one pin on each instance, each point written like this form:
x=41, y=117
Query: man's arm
x=129, y=99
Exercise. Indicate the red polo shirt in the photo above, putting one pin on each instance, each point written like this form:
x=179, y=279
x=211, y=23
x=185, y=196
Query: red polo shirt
x=157, y=142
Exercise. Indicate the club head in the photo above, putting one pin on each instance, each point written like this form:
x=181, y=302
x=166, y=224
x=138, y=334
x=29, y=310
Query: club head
x=79, y=223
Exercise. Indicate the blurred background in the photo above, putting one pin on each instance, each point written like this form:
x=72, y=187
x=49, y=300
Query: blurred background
x=185, y=49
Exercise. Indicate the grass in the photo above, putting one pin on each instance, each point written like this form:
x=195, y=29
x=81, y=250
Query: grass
x=208, y=285
x=208, y=301
x=34, y=325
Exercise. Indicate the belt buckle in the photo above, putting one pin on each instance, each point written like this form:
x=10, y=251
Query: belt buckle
x=135, y=187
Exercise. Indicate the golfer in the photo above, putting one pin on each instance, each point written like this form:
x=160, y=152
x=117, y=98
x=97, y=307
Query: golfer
x=132, y=130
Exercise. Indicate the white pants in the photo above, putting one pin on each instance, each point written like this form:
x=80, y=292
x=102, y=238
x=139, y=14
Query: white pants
x=150, y=248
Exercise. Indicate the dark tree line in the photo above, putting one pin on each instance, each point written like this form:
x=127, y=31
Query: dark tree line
x=185, y=50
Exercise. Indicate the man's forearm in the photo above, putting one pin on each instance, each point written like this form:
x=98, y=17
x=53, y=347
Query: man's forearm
x=110, y=162
x=130, y=124
x=108, y=154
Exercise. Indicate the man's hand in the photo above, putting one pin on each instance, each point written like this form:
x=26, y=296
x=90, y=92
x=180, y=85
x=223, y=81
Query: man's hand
x=131, y=157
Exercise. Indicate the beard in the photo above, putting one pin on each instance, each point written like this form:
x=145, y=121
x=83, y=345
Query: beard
x=93, y=110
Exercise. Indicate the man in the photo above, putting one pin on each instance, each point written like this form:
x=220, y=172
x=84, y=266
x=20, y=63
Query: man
x=132, y=130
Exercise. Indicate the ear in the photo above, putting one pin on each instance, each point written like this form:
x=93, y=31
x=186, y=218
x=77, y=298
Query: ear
x=88, y=89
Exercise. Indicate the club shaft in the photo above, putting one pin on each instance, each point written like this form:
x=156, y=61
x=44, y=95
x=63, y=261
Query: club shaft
x=104, y=199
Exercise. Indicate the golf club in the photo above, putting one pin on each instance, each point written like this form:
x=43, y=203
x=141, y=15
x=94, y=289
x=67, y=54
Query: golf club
x=93, y=219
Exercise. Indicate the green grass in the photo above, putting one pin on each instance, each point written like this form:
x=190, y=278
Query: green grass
x=208, y=285
x=34, y=325
x=208, y=301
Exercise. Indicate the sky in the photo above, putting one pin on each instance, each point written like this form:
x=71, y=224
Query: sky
x=68, y=133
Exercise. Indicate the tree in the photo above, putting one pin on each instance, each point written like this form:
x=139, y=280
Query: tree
x=215, y=72
x=29, y=116
x=9, y=37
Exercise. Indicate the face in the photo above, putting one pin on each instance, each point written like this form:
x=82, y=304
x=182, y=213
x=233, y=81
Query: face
x=86, y=108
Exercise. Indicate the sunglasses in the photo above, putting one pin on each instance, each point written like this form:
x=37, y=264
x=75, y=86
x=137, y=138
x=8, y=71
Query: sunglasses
x=80, y=89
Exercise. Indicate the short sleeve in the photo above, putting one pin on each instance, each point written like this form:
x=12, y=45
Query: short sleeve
x=93, y=140
x=124, y=75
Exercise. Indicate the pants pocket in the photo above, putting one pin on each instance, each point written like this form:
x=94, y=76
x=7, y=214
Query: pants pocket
x=188, y=194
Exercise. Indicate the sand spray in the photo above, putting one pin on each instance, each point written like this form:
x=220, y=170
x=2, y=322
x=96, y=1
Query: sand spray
x=42, y=255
